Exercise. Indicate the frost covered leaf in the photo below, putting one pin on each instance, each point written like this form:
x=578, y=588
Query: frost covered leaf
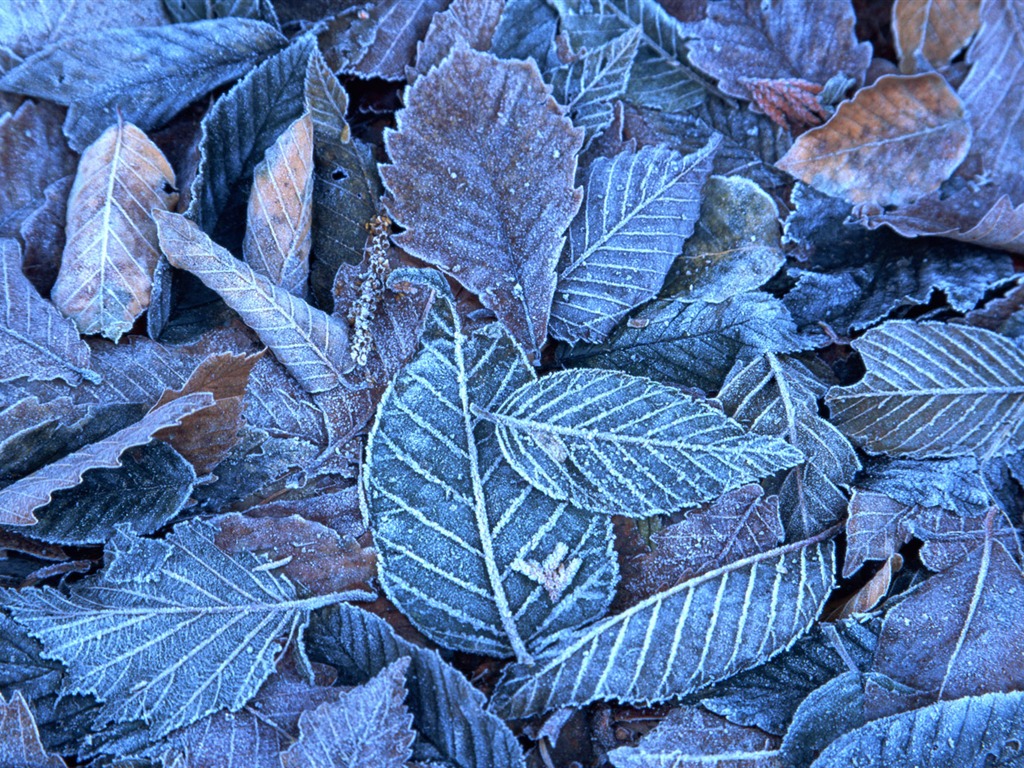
x=482, y=181
x=957, y=634
x=872, y=593
x=106, y=272
x=691, y=737
x=449, y=714
x=877, y=527
x=382, y=43
x=680, y=640
x=693, y=344
x=184, y=11
x=277, y=234
x=627, y=444
x=457, y=529
x=147, y=74
x=20, y=498
x=639, y=209
x=240, y=127
x=952, y=484
x=213, y=626
x=20, y=746
x=739, y=524
x=588, y=85
x=36, y=343
x=465, y=22
x=778, y=396
x=929, y=33
x=972, y=732
x=934, y=390
x=743, y=40
x=311, y=344
x=735, y=245
x=326, y=102
x=895, y=141
x=368, y=725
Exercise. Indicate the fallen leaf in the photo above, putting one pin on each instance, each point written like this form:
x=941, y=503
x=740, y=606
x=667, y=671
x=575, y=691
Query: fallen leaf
x=471, y=23
x=929, y=33
x=20, y=746
x=895, y=141
x=872, y=593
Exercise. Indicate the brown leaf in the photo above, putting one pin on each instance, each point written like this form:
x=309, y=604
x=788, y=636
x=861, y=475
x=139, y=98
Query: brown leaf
x=876, y=528
x=997, y=313
x=20, y=746
x=277, y=236
x=205, y=437
x=466, y=22
x=950, y=537
x=958, y=634
x=895, y=141
x=42, y=232
x=871, y=594
x=106, y=273
x=742, y=523
x=812, y=40
x=19, y=499
x=326, y=102
x=929, y=33
x=318, y=560
x=482, y=180
x=790, y=102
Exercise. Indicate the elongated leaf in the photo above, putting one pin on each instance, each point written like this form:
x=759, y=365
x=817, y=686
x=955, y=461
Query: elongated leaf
x=972, y=732
x=449, y=714
x=326, y=101
x=934, y=390
x=184, y=630
x=475, y=557
x=465, y=22
x=681, y=640
x=277, y=236
x=171, y=66
x=19, y=743
x=929, y=33
x=311, y=344
x=239, y=129
x=183, y=11
x=507, y=169
x=911, y=132
x=19, y=499
x=383, y=43
x=106, y=271
x=640, y=207
x=693, y=344
x=36, y=343
x=368, y=725
x=587, y=86
x=628, y=444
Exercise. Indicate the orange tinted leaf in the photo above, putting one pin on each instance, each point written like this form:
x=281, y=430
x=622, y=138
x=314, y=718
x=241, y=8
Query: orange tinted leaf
x=929, y=33
x=106, y=274
x=895, y=141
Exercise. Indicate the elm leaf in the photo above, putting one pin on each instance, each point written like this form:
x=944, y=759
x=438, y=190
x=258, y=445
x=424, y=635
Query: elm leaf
x=481, y=179
x=106, y=272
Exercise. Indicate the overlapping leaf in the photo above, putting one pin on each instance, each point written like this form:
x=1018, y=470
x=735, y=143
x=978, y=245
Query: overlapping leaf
x=106, y=272
x=19, y=744
x=173, y=66
x=180, y=631
x=184, y=11
x=681, y=640
x=36, y=343
x=640, y=208
x=310, y=343
x=486, y=193
x=474, y=556
x=934, y=390
x=471, y=23
x=929, y=33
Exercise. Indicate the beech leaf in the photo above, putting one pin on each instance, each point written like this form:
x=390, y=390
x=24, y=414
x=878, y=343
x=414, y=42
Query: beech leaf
x=311, y=344
x=933, y=390
x=465, y=22
x=382, y=43
x=36, y=343
x=277, y=235
x=640, y=208
x=895, y=141
x=482, y=181
x=929, y=33
x=106, y=272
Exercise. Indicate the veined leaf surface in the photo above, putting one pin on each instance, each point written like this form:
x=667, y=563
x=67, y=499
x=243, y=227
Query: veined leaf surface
x=680, y=640
x=628, y=444
x=470, y=552
x=934, y=390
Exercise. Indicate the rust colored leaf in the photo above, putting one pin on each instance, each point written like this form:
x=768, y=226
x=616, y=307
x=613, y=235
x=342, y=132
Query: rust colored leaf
x=894, y=142
x=482, y=181
x=277, y=236
x=790, y=102
x=871, y=594
x=466, y=22
x=318, y=560
x=205, y=437
x=19, y=499
x=326, y=102
x=20, y=746
x=810, y=40
x=36, y=343
x=106, y=274
x=929, y=33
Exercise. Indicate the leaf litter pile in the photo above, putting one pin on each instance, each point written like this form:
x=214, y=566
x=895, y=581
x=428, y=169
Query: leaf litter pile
x=491, y=383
